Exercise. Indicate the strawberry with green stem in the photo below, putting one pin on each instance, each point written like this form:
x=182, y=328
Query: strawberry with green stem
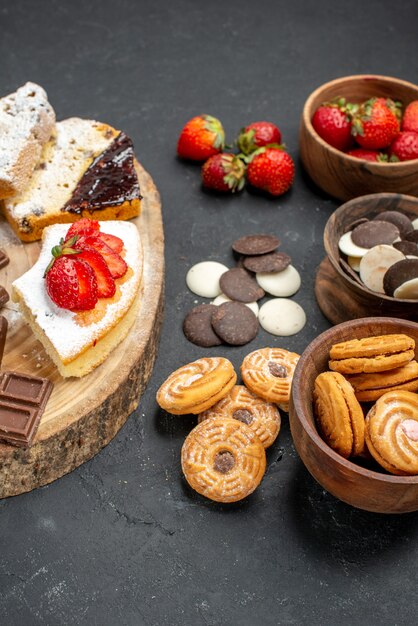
x=223, y=172
x=332, y=122
x=202, y=137
x=256, y=135
x=272, y=170
x=376, y=123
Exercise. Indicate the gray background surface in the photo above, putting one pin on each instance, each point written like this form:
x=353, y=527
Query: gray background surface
x=123, y=540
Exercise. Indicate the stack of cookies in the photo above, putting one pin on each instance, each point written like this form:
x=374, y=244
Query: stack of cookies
x=223, y=457
x=368, y=403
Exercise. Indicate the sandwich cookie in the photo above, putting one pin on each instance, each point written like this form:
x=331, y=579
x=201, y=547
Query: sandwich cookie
x=268, y=373
x=243, y=405
x=338, y=413
x=223, y=459
x=370, y=387
x=392, y=432
x=196, y=386
x=371, y=354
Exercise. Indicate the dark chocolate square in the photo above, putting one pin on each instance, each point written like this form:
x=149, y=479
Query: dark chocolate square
x=4, y=259
x=17, y=422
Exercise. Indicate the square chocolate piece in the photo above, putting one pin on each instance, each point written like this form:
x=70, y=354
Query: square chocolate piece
x=22, y=402
x=4, y=259
x=4, y=296
x=3, y=333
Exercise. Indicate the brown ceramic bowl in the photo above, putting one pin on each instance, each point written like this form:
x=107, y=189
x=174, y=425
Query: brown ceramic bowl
x=339, y=222
x=363, y=488
x=344, y=176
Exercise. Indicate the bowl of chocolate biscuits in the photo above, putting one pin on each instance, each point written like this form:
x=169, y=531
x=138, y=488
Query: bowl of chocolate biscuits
x=354, y=413
x=372, y=246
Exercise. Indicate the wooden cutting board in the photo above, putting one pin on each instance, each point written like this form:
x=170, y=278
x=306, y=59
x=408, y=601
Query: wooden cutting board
x=82, y=414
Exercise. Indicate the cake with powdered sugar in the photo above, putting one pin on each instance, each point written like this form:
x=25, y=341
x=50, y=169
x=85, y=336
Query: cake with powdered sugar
x=27, y=121
x=87, y=169
x=79, y=341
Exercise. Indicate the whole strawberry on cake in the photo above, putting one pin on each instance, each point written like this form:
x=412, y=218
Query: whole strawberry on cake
x=81, y=297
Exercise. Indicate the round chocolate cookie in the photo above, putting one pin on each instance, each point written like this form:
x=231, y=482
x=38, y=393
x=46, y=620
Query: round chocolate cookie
x=412, y=236
x=400, y=273
x=406, y=247
x=255, y=244
x=373, y=233
x=271, y=262
x=197, y=326
x=235, y=323
x=239, y=285
x=398, y=219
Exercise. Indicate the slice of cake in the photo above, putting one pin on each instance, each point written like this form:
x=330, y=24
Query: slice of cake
x=87, y=169
x=26, y=123
x=79, y=340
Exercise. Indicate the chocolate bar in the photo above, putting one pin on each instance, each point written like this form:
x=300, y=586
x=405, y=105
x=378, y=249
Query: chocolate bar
x=3, y=333
x=4, y=296
x=4, y=259
x=23, y=399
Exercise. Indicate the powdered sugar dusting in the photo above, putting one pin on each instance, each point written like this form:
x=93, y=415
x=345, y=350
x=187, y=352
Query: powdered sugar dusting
x=63, y=162
x=59, y=325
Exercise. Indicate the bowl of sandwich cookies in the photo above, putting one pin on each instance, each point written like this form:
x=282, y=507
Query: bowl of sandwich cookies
x=354, y=413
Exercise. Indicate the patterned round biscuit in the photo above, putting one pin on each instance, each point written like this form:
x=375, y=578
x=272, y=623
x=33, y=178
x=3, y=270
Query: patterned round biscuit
x=370, y=387
x=243, y=405
x=371, y=354
x=195, y=387
x=268, y=373
x=223, y=459
x=338, y=414
x=392, y=432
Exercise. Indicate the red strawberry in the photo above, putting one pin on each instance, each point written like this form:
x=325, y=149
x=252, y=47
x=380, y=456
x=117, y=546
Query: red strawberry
x=200, y=138
x=114, y=261
x=368, y=155
x=410, y=117
x=257, y=135
x=405, y=146
x=83, y=227
x=105, y=283
x=272, y=170
x=376, y=123
x=332, y=122
x=71, y=284
x=111, y=240
x=223, y=172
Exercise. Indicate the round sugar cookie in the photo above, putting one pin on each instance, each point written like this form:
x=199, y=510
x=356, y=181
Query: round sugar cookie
x=391, y=431
x=203, y=278
x=223, y=459
x=282, y=284
x=223, y=298
x=282, y=317
x=243, y=405
x=195, y=387
x=268, y=373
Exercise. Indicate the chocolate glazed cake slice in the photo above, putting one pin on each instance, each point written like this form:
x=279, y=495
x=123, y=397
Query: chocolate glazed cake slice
x=110, y=181
x=88, y=169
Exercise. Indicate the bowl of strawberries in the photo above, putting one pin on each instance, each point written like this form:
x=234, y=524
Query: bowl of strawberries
x=359, y=135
